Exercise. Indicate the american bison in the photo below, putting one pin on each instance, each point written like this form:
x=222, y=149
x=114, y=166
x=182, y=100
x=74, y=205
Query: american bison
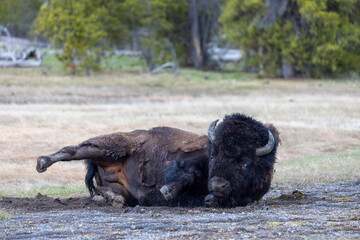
x=167, y=166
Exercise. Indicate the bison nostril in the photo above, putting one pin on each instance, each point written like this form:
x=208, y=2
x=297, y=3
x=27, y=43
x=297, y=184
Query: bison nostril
x=224, y=186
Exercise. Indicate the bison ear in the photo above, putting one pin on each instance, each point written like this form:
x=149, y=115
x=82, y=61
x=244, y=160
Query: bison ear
x=231, y=148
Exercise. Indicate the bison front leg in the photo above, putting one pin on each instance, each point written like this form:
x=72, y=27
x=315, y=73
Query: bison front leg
x=170, y=191
x=176, y=179
x=68, y=154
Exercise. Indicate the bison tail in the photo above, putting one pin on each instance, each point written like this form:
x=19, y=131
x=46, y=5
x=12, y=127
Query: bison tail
x=89, y=178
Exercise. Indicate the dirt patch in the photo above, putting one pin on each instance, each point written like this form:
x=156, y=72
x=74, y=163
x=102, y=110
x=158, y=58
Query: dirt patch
x=44, y=203
x=326, y=211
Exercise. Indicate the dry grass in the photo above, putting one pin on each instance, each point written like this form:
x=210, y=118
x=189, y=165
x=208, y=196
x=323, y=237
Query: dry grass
x=319, y=121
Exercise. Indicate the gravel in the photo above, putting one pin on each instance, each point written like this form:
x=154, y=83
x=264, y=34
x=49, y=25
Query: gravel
x=323, y=211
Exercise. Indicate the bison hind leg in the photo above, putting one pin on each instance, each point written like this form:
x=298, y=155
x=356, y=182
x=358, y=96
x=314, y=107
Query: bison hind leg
x=68, y=154
x=115, y=199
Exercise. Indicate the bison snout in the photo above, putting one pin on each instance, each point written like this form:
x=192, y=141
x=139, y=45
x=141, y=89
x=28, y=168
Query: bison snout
x=219, y=187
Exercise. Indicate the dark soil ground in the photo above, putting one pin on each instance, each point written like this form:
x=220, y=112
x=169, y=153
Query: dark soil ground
x=324, y=211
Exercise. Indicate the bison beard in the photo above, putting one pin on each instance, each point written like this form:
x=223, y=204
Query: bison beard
x=170, y=167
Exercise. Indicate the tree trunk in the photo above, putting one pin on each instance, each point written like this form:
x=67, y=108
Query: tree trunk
x=261, y=65
x=148, y=52
x=196, y=52
x=287, y=69
x=174, y=58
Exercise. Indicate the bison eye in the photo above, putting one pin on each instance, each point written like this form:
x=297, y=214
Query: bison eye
x=245, y=163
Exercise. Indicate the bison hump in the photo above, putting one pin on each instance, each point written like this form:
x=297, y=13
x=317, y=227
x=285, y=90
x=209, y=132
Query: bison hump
x=191, y=145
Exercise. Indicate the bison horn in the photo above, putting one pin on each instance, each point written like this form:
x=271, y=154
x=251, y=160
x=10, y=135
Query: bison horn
x=267, y=148
x=211, y=130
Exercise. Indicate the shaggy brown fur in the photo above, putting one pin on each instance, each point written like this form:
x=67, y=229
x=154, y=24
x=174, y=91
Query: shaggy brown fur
x=137, y=164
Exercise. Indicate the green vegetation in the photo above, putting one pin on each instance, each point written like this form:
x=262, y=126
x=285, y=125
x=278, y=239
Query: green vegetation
x=4, y=215
x=84, y=29
x=75, y=26
x=52, y=66
x=51, y=191
x=18, y=15
x=152, y=24
x=124, y=63
x=299, y=38
x=302, y=38
x=130, y=73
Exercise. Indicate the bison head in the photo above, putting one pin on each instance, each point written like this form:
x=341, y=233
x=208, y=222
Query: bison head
x=242, y=155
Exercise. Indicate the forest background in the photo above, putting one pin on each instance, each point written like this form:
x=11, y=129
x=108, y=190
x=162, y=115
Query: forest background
x=277, y=38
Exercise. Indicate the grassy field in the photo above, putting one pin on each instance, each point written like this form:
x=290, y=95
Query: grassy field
x=42, y=110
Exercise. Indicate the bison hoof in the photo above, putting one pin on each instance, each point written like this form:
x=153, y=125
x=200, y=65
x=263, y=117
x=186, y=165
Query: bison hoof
x=98, y=199
x=42, y=164
x=166, y=192
x=118, y=201
x=210, y=201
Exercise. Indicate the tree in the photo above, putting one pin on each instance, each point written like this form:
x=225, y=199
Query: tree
x=167, y=31
x=203, y=18
x=81, y=28
x=296, y=38
x=147, y=21
x=18, y=15
x=167, y=28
